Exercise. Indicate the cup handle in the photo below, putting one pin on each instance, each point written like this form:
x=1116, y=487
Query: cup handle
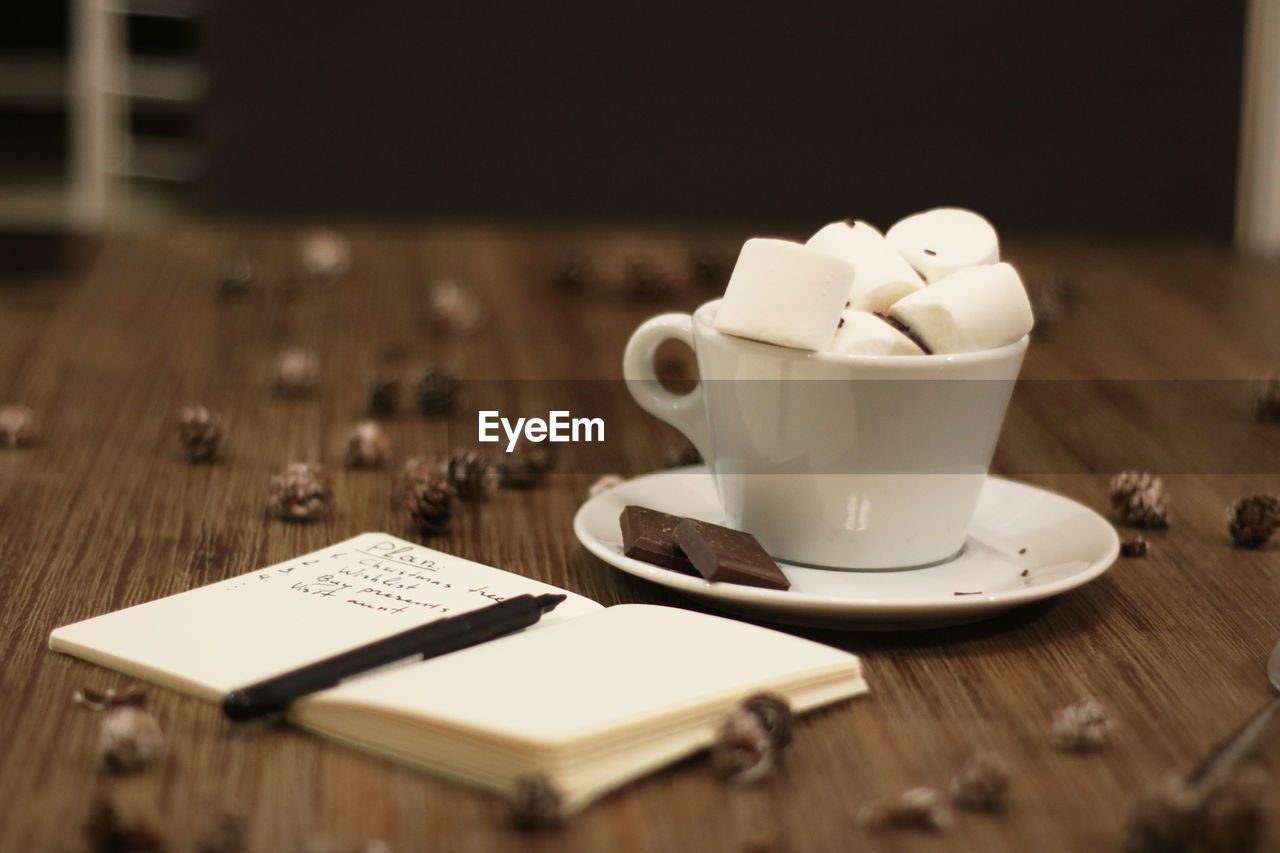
x=683, y=411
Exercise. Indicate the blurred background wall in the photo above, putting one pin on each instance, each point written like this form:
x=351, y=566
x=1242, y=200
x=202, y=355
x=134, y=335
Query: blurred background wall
x=1087, y=117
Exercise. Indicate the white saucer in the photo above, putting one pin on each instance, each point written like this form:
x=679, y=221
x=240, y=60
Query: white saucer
x=1066, y=545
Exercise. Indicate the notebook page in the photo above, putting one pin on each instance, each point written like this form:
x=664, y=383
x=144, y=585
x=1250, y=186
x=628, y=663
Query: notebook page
x=628, y=665
x=210, y=640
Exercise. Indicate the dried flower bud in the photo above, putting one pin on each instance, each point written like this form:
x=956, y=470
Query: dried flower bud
x=297, y=372
x=526, y=465
x=383, y=396
x=225, y=835
x=679, y=455
x=325, y=255
x=917, y=808
x=535, y=804
x=438, y=391
x=1138, y=499
x=775, y=715
x=200, y=433
x=238, y=274
x=367, y=446
x=1266, y=397
x=1252, y=520
x=130, y=740
x=1081, y=726
x=104, y=700
x=302, y=492
x=17, y=426
x=1136, y=547
x=107, y=831
x=471, y=474
x=982, y=783
x=604, y=484
x=455, y=308
x=743, y=752
x=429, y=502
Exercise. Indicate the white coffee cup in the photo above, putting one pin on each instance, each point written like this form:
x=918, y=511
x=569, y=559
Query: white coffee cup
x=834, y=460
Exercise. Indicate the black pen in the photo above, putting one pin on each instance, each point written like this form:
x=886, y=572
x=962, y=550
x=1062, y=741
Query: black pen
x=427, y=641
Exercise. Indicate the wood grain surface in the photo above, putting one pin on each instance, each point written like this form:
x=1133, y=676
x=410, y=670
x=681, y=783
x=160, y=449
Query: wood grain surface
x=104, y=512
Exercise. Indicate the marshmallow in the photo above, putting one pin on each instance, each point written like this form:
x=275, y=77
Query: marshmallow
x=866, y=334
x=941, y=241
x=881, y=276
x=785, y=293
x=974, y=309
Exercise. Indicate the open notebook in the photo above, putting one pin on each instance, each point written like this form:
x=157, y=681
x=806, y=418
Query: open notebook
x=590, y=696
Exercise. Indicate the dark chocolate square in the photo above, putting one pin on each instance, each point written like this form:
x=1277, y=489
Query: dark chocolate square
x=649, y=535
x=728, y=555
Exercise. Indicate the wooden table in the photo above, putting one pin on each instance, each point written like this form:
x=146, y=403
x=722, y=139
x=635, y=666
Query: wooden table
x=104, y=513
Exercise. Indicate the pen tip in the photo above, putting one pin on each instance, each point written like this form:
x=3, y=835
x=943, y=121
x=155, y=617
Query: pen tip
x=549, y=601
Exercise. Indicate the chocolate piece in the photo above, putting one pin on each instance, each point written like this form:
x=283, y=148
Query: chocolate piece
x=649, y=535
x=723, y=554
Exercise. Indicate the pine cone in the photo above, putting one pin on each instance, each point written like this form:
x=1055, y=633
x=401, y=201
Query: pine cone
x=17, y=426
x=383, y=397
x=1252, y=520
x=1266, y=397
x=367, y=446
x=1175, y=816
x=526, y=465
x=130, y=739
x=1081, y=726
x=743, y=751
x=302, y=492
x=429, y=501
x=438, y=391
x=471, y=474
x=1138, y=498
x=774, y=714
x=1166, y=817
x=201, y=433
x=982, y=783
x=297, y=372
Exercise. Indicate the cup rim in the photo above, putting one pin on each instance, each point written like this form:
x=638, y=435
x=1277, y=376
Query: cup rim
x=934, y=359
